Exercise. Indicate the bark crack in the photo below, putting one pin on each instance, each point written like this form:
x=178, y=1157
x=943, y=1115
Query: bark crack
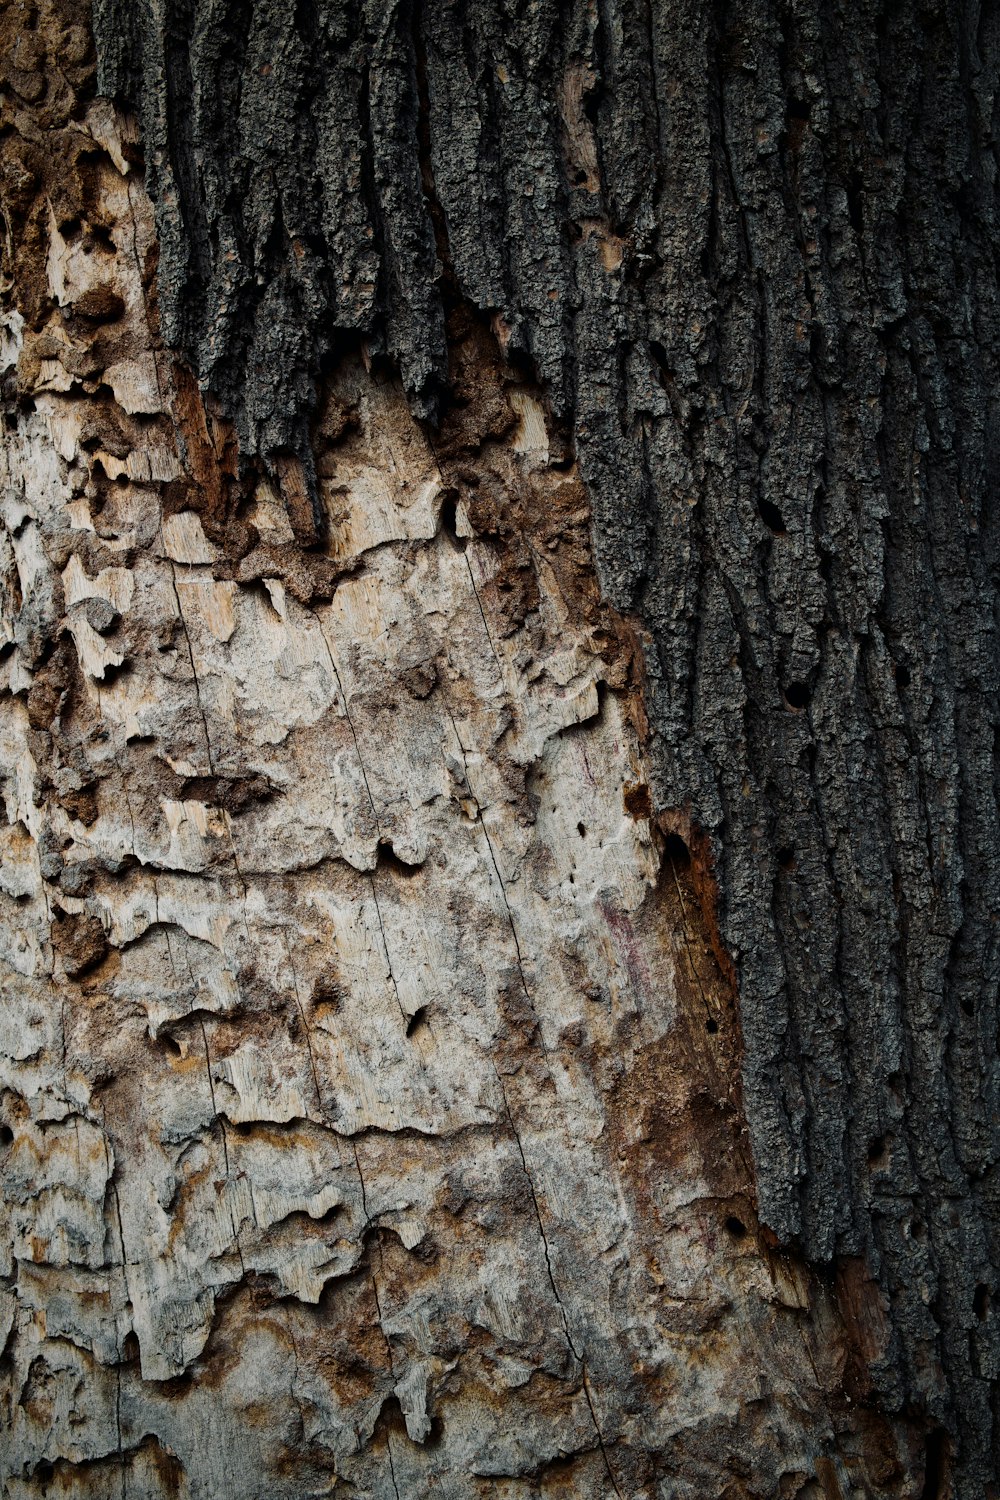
x=378, y=1307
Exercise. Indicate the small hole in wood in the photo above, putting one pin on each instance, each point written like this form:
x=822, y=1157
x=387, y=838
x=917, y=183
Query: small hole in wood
x=45, y=1471
x=449, y=520
x=660, y=359
x=981, y=1302
x=6, y=1135
x=786, y=857
x=389, y=859
x=902, y=675
x=797, y=694
x=433, y=1438
x=711, y=1026
x=736, y=1227
x=114, y=673
x=638, y=800
x=417, y=1019
x=876, y=1151
x=772, y=517
x=936, y=1466
x=581, y=829
x=677, y=851
x=918, y=1229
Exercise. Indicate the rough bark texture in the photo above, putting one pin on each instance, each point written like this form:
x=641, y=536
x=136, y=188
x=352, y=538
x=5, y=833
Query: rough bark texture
x=499, y=726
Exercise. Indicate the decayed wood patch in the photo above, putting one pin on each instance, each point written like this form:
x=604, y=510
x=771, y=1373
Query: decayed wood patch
x=369, y=1066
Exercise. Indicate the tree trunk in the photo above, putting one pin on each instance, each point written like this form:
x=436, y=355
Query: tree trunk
x=498, y=719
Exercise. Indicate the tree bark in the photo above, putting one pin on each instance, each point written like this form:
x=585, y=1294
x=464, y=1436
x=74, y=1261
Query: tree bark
x=499, y=725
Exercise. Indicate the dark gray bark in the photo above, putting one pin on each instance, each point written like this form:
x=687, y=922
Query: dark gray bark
x=749, y=251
